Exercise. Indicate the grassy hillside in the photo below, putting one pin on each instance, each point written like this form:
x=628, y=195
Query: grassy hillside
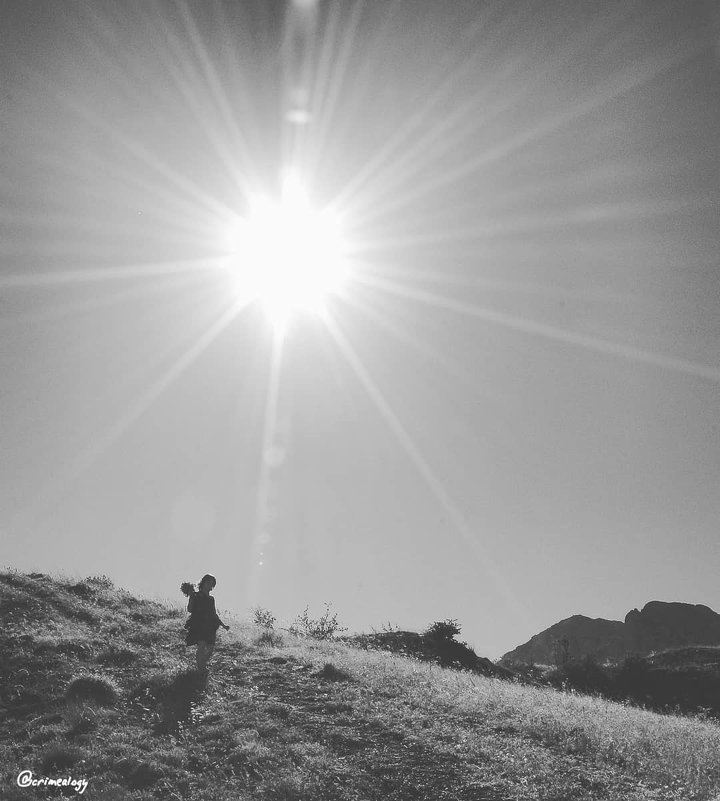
x=95, y=684
x=683, y=680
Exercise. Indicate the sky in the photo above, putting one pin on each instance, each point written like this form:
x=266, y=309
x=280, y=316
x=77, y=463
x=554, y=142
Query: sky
x=508, y=414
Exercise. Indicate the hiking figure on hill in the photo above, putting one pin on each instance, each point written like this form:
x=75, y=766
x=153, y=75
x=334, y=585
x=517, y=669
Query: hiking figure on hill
x=203, y=623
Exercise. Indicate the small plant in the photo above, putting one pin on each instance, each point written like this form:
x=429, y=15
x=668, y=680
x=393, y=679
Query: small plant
x=270, y=638
x=323, y=628
x=263, y=618
x=102, y=582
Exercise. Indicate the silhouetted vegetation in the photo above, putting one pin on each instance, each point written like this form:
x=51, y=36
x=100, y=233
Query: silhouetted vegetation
x=323, y=628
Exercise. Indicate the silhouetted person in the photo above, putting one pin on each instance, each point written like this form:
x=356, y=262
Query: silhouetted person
x=204, y=622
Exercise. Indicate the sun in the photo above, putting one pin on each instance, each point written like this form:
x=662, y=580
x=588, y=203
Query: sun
x=288, y=255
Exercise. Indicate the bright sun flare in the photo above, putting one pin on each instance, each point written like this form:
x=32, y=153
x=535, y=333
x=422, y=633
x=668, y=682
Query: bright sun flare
x=289, y=256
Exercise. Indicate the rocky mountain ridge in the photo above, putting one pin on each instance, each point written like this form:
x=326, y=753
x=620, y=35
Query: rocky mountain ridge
x=659, y=626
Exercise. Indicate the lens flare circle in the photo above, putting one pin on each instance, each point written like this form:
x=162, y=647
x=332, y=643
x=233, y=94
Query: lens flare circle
x=289, y=256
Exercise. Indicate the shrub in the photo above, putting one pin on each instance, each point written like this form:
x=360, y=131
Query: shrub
x=324, y=628
x=263, y=618
x=101, y=582
x=96, y=689
x=443, y=630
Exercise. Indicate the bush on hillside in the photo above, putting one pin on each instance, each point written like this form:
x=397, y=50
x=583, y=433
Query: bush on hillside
x=322, y=628
x=263, y=618
x=442, y=630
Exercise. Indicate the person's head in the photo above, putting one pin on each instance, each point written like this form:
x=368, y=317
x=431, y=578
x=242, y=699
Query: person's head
x=207, y=583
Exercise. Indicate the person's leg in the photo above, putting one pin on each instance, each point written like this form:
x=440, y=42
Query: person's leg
x=201, y=658
x=204, y=652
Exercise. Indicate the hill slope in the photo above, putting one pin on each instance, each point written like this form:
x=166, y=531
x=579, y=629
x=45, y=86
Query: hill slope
x=95, y=684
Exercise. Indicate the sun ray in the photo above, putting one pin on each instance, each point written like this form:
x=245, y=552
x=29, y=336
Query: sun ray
x=330, y=75
x=426, y=351
x=578, y=216
x=72, y=308
x=445, y=278
x=418, y=120
x=108, y=274
x=134, y=147
x=181, y=211
x=230, y=156
x=53, y=491
x=597, y=344
x=192, y=87
x=261, y=535
x=640, y=74
x=449, y=130
x=420, y=463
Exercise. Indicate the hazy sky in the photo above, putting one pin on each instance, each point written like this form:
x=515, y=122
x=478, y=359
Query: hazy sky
x=511, y=414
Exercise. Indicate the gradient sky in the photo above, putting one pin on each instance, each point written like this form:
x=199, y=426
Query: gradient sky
x=510, y=415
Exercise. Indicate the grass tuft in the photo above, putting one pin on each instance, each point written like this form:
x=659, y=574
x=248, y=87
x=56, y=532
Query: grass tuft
x=270, y=639
x=95, y=689
x=332, y=673
x=117, y=656
x=58, y=758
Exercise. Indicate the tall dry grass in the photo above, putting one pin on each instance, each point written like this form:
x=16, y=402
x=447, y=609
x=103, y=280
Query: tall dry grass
x=680, y=753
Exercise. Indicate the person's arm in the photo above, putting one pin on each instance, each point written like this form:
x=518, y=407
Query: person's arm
x=191, y=603
x=220, y=623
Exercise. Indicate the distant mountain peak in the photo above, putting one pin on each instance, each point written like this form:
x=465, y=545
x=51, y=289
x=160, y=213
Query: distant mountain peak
x=660, y=625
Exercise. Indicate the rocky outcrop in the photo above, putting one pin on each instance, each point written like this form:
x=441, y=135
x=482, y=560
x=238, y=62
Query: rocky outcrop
x=657, y=627
x=574, y=637
x=660, y=626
